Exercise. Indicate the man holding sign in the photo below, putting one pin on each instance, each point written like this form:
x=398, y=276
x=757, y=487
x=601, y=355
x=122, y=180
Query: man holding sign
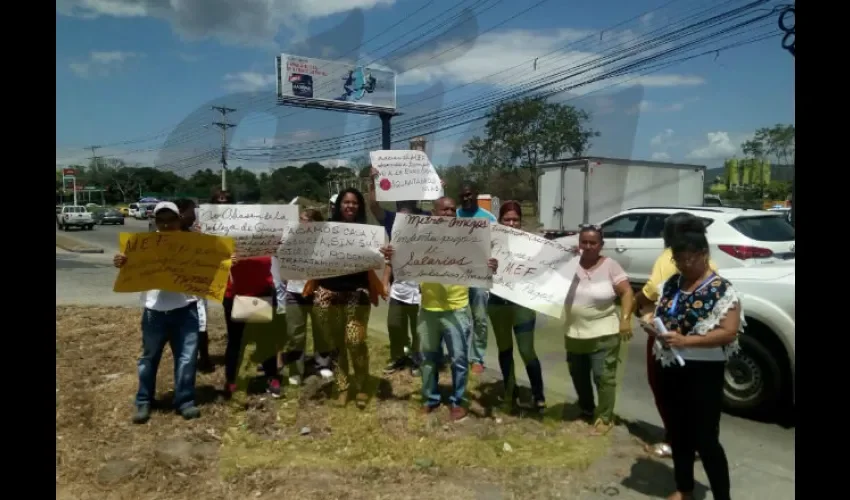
x=445, y=317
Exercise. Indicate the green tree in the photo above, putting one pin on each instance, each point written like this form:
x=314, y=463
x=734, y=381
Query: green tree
x=522, y=133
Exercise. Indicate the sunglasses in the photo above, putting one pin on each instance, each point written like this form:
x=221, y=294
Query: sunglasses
x=595, y=227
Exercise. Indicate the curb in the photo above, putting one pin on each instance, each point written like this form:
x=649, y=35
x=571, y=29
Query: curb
x=72, y=245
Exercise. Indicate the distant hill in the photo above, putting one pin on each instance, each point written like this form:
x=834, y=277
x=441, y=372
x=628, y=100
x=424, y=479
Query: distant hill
x=777, y=173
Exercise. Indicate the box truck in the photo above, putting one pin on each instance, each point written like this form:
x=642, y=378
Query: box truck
x=590, y=189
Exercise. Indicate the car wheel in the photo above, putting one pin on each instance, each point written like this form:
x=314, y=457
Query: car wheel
x=753, y=380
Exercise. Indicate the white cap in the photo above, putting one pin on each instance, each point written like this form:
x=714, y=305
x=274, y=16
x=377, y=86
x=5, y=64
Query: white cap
x=166, y=205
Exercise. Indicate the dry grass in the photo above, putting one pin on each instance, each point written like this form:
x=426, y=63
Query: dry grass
x=298, y=445
x=72, y=244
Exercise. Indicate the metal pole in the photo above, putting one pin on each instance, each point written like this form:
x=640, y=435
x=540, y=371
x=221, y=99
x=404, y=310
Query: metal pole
x=386, y=136
x=75, y=189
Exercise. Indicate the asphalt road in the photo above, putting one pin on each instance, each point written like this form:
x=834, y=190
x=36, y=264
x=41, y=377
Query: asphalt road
x=761, y=455
x=106, y=237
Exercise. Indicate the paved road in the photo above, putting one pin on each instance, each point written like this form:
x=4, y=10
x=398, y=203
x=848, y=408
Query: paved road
x=761, y=455
x=106, y=237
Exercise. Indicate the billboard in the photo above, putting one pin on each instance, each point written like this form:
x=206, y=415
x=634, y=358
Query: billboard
x=334, y=84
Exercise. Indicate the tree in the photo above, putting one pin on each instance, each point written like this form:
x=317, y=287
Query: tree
x=521, y=133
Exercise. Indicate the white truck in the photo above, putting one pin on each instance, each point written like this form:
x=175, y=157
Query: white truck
x=74, y=216
x=590, y=189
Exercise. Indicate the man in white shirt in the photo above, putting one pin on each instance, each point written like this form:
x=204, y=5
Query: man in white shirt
x=172, y=318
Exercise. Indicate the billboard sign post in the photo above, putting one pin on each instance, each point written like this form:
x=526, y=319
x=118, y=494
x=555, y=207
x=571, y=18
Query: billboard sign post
x=70, y=175
x=334, y=85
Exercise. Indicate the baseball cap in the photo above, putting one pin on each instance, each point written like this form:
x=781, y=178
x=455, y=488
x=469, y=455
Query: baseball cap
x=165, y=205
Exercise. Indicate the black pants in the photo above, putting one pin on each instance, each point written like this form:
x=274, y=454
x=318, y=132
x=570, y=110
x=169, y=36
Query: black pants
x=692, y=396
x=401, y=325
x=235, y=334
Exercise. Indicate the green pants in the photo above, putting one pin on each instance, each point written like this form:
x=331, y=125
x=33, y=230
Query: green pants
x=595, y=362
x=511, y=321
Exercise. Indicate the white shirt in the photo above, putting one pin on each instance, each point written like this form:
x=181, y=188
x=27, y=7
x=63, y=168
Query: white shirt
x=160, y=300
x=406, y=291
x=296, y=286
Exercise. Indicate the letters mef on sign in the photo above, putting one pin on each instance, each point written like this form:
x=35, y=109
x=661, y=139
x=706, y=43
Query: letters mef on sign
x=175, y=261
x=405, y=175
x=443, y=250
x=257, y=229
x=533, y=271
x=316, y=250
x=335, y=83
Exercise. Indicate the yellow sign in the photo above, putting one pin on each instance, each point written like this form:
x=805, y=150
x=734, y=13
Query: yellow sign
x=175, y=261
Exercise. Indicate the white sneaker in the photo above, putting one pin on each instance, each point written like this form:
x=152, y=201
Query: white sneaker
x=325, y=373
x=295, y=380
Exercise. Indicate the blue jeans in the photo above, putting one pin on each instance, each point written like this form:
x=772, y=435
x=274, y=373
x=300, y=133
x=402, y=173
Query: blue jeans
x=179, y=328
x=478, y=340
x=453, y=328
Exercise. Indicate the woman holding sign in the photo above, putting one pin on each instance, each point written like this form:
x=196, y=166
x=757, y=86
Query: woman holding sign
x=512, y=320
x=595, y=328
x=701, y=317
x=342, y=305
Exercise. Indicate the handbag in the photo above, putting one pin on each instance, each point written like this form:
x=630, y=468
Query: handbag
x=252, y=309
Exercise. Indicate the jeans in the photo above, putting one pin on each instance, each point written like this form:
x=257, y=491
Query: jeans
x=401, y=326
x=510, y=320
x=478, y=340
x=594, y=362
x=179, y=328
x=693, y=395
x=299, y=310
x=453, y=328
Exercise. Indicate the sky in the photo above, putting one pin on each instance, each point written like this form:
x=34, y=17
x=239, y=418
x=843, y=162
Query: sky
x=139, y=77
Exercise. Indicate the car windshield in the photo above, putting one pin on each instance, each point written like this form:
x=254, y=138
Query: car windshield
x=764, y=228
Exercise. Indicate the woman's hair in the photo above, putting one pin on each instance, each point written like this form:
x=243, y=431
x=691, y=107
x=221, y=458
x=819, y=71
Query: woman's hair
x=218, y=193
x=313, y=214
x=184, y=204
x=673, y=223
x=689, y=236
x=510, y=206
x=359, y=217
x=591, y=228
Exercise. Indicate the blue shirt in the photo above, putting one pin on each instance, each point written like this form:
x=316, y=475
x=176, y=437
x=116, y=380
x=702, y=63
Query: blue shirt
x=479, y=213
x=389, y=219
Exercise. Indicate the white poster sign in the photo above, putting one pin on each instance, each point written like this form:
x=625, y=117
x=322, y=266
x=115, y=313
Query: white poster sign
x=533, y=272
x=443, y=250
x=405, y=175
x=316, y=250
x=257, y=229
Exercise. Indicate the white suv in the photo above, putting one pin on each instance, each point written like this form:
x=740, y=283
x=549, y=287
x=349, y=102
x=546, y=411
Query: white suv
x=738, y=237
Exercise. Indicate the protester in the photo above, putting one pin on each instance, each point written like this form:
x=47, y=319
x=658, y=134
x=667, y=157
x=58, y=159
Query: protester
x=595, y=330
x=342, y=307
x=445, y=317
x=702, y=316
x=477, y=296
x=645, y=300
x=512, y=320
x=298, y=310
x=172, y=318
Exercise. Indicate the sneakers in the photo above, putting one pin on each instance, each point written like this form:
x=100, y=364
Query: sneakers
x=326, y=373
x=229, y=390
x=394, y=366
x=273, y=388
x=142, y=415
x=295, y=380
x=458, y=414
x=190, y=412
x=477, y=368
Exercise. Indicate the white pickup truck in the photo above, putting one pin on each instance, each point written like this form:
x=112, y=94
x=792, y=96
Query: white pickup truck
x=74, y=216
x=762, y=375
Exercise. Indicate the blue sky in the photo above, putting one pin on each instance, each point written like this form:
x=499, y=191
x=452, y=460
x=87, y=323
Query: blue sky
x=138, y=76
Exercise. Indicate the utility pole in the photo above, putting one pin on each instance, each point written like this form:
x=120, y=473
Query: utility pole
x=223, y=125
x=94, y=162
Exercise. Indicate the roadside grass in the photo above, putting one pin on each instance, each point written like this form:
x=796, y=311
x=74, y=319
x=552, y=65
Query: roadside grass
x=302, y=444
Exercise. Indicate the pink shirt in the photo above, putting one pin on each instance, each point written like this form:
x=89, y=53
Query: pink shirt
x=590, y=308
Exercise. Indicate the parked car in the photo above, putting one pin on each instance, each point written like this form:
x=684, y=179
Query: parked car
x=104, y=217
x=738, y=237
x=133, y=210
x=74, y=216
x=145, y=210
x=762, y=375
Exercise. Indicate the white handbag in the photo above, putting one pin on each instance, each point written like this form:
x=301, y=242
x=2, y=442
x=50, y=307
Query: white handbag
x=252, y=309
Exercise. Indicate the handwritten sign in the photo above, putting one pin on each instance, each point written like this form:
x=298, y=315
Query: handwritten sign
x=405, y=175
x=175, y=261
x=533, y=271
x=443, y=250
x=257, y=229
x=316, y=250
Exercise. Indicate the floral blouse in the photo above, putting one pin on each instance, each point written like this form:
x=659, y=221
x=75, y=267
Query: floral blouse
x=696, y=313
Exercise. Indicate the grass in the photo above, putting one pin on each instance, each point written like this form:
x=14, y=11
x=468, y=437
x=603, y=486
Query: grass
x=258, y=447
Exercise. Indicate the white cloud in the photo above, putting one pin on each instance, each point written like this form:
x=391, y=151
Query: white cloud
x=660, y=156
x=662, y=138
x=102, y=63
x=719, y=146
x=647, y=18
x=248, y=81
x=493, y=52
x=253, y=22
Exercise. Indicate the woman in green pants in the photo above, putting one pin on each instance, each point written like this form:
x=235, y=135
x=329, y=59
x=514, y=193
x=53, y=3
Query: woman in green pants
x=512, y=320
